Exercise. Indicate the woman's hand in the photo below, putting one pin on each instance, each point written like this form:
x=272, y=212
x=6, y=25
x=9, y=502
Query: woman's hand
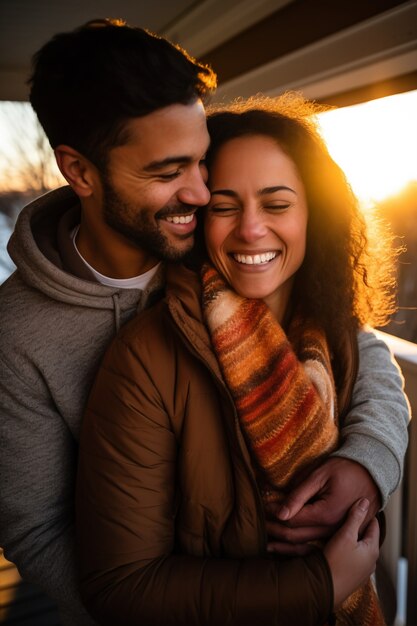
x=352, y=560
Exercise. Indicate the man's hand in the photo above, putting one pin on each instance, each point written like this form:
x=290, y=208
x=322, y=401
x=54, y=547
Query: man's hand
x=319, y=504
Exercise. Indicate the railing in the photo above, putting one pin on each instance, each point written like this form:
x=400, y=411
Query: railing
x=401, y=541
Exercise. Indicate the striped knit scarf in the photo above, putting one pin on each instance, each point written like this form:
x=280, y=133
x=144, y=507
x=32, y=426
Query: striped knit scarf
x=284, y=395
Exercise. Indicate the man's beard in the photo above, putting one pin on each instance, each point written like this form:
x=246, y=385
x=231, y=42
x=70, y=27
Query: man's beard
x=134, y=223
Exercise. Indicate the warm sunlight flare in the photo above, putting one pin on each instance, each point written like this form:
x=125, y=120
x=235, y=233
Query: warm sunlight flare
x=375, y=143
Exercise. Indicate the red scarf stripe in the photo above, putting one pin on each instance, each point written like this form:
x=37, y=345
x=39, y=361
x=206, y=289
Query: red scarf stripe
x=257, y=398
x=234, y=336
x=292, y=407
x=292, y=426
x=296, y=456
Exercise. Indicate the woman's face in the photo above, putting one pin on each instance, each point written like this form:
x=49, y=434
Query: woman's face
x=256, y=221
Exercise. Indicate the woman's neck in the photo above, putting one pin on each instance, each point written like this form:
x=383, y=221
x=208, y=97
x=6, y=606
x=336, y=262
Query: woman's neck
x=279, y=302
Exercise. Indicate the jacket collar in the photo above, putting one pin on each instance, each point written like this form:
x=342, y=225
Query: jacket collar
x=183, y=298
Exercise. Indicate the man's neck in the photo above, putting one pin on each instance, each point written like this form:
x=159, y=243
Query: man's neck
x=112, y=254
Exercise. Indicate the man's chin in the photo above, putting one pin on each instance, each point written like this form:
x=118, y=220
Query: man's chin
x=177, y=251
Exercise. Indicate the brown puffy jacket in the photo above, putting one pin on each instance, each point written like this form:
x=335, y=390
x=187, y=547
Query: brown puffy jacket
x=169, y=517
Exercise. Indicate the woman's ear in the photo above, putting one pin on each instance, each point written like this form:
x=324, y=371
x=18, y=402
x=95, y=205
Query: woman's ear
x=78, y=171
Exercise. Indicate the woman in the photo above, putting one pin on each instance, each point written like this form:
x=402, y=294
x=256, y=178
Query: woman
x=181, y=453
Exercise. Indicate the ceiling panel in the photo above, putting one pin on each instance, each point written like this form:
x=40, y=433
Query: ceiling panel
x=25, y=25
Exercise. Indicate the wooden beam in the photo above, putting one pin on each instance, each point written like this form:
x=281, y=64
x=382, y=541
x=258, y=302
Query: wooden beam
x=373, y=91
x=296, y=25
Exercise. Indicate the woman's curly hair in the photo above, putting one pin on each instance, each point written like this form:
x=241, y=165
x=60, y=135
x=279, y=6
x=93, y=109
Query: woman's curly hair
x=343, y=282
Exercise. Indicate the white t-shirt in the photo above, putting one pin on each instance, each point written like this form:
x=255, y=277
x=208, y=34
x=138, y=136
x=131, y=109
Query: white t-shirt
x=136, y=282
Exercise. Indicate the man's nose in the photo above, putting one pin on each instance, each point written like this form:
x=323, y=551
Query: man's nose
x=194, y=190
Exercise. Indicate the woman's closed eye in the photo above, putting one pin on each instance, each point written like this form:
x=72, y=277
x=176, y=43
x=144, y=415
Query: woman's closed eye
x=277, y=206
x=223, y=209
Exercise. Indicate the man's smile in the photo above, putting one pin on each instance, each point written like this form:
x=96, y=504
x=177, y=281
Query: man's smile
x=180, y=219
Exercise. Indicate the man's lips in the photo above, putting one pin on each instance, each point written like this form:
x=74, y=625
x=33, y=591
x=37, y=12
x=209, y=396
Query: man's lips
x=182, y=224
x=179, y=211
x=180, y=219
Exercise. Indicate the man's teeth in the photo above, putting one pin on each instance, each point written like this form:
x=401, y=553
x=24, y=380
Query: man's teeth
x=180, y=219
x=255, y=259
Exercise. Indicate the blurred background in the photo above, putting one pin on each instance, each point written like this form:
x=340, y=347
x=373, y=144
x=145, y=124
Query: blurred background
x=357, y=56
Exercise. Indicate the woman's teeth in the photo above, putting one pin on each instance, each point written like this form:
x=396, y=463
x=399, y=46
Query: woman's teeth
x=255, y=259
x=180, y=219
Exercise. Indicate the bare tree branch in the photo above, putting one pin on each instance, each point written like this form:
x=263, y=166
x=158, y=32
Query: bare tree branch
x=26, y=158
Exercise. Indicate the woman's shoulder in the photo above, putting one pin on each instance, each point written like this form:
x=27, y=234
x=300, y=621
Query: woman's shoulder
x=159, y=328
x=145, y=326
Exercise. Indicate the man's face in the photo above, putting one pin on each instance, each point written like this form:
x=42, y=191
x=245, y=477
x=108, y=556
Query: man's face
x=155, y=183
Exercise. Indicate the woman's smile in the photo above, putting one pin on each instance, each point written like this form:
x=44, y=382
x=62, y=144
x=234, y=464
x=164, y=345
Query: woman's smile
x=256, y=220
x=259, y=258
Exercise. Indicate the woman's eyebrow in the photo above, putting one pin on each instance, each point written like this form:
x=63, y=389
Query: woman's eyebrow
x=267, y=190
x=261, y=192
x=224, y=192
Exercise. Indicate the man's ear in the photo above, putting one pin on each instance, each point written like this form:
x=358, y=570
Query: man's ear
x=78, y=171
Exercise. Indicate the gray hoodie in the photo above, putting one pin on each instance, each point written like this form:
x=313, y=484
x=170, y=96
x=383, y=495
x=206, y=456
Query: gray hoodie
x=54, y=329
x=56, y=322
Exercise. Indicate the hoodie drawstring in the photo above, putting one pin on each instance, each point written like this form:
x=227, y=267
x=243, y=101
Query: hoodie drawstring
x=116, y=308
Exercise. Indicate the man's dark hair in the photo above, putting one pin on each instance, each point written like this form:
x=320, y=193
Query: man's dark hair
x=87, y=83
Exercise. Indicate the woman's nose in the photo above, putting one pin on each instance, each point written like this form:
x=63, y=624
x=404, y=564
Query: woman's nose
x=251, y=226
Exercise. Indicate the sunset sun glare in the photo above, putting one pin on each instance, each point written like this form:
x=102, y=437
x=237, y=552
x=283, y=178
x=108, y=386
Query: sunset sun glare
x=375, y=143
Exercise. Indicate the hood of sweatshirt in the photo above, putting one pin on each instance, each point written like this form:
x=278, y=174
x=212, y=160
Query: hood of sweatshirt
x=37, y=247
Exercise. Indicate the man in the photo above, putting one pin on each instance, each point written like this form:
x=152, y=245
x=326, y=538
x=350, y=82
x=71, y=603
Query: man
x=124, y=112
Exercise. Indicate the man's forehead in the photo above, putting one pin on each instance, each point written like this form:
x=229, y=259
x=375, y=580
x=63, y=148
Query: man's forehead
x=191, y=115
x=172, y=134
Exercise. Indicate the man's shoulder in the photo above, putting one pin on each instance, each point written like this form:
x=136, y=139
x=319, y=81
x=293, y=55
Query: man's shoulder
x=16, y=301
x=19, y=301
x=14, y=287
x=33, y=321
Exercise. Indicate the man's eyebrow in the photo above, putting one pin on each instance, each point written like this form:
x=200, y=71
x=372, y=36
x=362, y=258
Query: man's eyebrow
x=174, y=160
